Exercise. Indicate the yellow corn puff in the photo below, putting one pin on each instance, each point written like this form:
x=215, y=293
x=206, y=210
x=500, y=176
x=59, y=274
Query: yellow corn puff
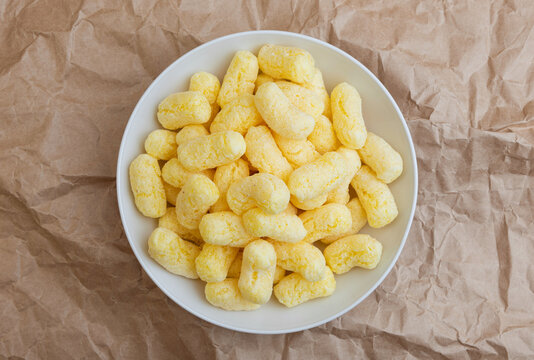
x=170, y=221
x=194, y=200
x=282, y=227
x=206, y=152
x=323, y=136
x=285, y=62
x=382, y=158
x=224, y=228
x=257, y=272
x=327, y=220
x=294, y=289
x=238, y=115
x=280, y=114
x=213, y=262
x=174, y=254
x=302, y=258
x=347, y=116
x=147, y=186
x=225, y=295
x=359, y=219
x=356, y=250
x=183, y=108
x=240, y=77
x=226, y=175
x=321, y=175
x=263, y=153
x=376, y=198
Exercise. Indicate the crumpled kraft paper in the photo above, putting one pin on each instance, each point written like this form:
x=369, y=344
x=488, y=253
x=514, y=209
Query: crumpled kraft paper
x=71, y=72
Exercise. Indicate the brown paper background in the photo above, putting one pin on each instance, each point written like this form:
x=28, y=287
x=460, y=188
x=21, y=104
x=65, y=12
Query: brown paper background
x=71, y=72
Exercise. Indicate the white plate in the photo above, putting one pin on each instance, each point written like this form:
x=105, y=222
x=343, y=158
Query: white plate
x=382, y=116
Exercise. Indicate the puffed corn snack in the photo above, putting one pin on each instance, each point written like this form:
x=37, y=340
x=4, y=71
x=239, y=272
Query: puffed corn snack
x=257, y=272
x=249, y=173
x=356, y=250
x=263, y=190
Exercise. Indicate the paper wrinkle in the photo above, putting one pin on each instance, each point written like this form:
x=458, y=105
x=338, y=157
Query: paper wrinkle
x=461, y=73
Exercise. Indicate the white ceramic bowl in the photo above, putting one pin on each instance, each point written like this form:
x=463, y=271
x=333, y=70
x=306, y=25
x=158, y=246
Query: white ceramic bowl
x=382, y=116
